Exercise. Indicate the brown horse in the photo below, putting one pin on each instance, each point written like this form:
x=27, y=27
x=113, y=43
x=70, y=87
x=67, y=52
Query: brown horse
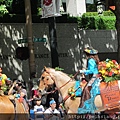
x=63, y=83
x=51, y=76
x=9, y=111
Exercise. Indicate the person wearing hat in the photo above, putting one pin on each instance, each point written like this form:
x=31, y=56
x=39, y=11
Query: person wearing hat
x=19, y=92
x=16, y=87
x=52, y=113
x=92, y=71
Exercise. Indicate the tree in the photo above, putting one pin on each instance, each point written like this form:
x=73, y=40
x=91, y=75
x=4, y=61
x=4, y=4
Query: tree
x=3, y=9
x=17, y=7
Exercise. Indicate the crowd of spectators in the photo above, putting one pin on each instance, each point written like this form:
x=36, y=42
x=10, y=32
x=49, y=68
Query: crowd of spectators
x=33, y=105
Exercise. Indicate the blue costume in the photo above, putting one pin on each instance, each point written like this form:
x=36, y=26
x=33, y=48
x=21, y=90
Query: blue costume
x=92, y=67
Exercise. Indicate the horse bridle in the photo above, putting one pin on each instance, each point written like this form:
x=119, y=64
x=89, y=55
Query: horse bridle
x=63, y=84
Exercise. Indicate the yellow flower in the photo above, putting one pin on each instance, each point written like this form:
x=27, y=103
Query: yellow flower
x=109, y=68
x=108, y=65
x=103, y=72
x=116, y=72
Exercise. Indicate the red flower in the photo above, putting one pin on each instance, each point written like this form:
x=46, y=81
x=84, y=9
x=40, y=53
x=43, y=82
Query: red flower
x=110, y=73
x=114, y=61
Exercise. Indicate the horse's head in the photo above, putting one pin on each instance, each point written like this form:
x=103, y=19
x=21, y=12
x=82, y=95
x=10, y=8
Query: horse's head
x=46, y=80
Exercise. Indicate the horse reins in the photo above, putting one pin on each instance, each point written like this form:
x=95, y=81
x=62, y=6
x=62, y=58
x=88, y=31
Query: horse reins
x=64, y=84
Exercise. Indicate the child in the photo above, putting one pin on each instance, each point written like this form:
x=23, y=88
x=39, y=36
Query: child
x=32, y=113
x=52, y=113
x=23, y=98
x=38, y=109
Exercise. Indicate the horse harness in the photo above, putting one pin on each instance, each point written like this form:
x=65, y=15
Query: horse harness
x=63, y=86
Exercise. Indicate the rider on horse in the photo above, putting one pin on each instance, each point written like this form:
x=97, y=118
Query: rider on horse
x=4, y=83
x=92, y=71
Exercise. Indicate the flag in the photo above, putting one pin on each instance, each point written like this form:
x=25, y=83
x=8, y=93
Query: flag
x=50, y=8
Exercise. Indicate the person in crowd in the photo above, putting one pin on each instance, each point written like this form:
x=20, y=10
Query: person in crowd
x=23, y=98
x=61, y=109
x=92, y=71
x=54, y=95
x=35, y=92
x=52, y=113
x=17, y=89
x=38, y=109
x=33, y=82
x=31, y=112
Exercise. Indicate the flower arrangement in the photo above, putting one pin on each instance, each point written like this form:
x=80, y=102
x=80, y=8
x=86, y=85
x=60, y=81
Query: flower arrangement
x=109, y=69
x=71, y=92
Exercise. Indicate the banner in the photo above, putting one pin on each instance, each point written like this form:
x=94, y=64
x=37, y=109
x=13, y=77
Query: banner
x=50, y=8
x=110, y=94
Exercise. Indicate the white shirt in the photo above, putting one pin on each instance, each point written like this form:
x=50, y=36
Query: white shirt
x=49, y=112
x=39, y=109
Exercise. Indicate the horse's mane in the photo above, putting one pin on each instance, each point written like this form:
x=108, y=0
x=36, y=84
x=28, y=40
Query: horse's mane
x=61, y=73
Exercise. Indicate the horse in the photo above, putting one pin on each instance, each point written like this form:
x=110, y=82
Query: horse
x=63, y=82
x=51, y=76
x=11, y=111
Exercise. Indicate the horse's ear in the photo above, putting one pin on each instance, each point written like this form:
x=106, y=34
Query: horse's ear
x=45, y=68
x=48, y=69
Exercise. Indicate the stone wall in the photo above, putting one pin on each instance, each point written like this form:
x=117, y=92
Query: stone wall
x=70, y=40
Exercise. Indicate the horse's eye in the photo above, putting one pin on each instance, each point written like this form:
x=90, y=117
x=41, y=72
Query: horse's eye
x=43, y=78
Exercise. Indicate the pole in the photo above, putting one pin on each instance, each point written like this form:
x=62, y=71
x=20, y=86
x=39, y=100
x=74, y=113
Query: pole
x=53, y=42
x=54, y=56
x=32, y=68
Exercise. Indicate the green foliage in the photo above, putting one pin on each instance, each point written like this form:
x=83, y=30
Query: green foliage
x=3, y=6
x=108, y=13
x=39, y=11
x=73, y=19
x=8, y=3
x=3, y=10
x=70, y=75
x=91, y=20
x=110, y=79
x=98, y=22
x=1, y=1
x=88, y=14
x=59, y=69
x=105, y=13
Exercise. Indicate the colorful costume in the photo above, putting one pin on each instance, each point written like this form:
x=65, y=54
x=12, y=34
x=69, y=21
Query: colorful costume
x=92, y=71
x=4, y=81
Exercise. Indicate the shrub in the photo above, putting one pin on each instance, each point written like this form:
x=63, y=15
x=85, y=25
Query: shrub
x=91, y=20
